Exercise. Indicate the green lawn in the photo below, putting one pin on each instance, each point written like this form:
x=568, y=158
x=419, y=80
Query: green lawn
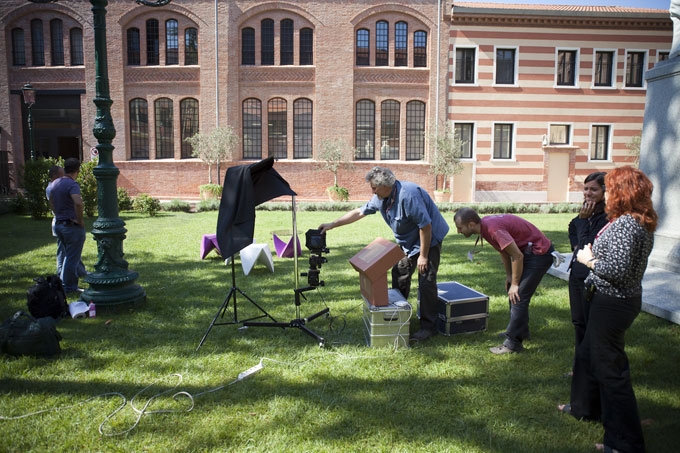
x=449, y=394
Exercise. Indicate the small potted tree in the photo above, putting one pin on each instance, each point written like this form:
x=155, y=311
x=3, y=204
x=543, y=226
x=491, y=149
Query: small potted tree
x=213, y=148
x=446, y=162
x=335, y=154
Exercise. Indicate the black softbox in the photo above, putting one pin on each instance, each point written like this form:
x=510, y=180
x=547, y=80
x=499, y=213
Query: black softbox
x=246, y=186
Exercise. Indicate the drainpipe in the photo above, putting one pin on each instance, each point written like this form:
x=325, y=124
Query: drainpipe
x=436, y=101
x=217, y=81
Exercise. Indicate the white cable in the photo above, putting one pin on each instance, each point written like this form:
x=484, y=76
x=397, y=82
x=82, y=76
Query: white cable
x=143, y=410
x=61, y=408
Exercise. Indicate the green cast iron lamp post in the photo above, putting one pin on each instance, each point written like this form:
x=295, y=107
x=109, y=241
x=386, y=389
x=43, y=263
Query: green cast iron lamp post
x=29, y=99
x=111, y=283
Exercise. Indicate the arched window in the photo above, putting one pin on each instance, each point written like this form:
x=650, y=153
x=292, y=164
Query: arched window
x=57, y=42
x=76, y=42
x=188, y=118
x=165, y=143
x=382, y=42
x=287, y=42
x=365, y=130
x=302, y=129
x=420, y=49
x=37, y=43
x=389, y=130
x=252, y=129
x=415, y=130
x=306, y=46
x=190, y=46
x=139, y=129
x=363, y=51
x=248, y=46
x=277, y=123
x=267, y=44
x=133, y=47
x=18, y=47
x=171, y=42
x=401, y=44
x=152, y=42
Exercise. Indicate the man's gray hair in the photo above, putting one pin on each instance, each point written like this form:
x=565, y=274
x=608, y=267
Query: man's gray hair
x=381, y=176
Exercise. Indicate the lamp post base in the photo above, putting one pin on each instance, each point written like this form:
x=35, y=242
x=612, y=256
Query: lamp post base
x=106, y=290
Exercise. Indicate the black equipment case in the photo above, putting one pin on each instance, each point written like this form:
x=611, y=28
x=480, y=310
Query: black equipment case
x=461, y=309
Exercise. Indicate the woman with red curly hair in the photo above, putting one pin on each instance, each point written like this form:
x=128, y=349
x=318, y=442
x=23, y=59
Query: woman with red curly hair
x=601, y=388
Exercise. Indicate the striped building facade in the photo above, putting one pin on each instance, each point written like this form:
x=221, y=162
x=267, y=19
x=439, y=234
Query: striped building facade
x=545, y=95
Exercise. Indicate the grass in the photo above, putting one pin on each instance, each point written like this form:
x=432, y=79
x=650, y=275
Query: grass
x=449, y=394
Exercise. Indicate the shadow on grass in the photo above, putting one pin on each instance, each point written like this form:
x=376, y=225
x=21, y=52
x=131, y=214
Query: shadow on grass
x=448, y=391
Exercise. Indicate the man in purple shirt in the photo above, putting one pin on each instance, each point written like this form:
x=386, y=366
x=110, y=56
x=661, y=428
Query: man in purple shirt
x=67, y=206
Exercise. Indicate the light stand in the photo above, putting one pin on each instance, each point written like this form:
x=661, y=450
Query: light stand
x=299, y=322
x=232, y=295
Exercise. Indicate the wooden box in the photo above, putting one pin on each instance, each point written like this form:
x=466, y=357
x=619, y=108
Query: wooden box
x=372, y=263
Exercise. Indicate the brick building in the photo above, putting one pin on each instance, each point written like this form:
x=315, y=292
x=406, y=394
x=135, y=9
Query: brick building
x=379, y=77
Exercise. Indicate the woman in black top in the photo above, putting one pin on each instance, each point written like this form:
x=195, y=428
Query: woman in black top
x=601, y=388
x=582, y=231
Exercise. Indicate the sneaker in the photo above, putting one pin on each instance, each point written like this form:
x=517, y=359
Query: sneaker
x=423, y=334
x=504, y=335
x=502, y=349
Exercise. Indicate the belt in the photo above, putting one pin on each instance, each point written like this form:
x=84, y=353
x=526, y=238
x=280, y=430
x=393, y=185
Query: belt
x=64, y=222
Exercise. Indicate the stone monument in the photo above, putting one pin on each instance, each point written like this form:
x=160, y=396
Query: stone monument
x=660, y=160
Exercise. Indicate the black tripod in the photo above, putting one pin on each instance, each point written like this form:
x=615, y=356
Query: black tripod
x=312, y=279
x=299, y=322
x=232, y=295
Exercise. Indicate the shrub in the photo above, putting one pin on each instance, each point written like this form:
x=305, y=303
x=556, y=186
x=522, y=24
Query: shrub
x=339, y=193
x=146, y=204
x=35, y=183
x=124, y=200
x=88, y=187
x=210, y=191
x=208, y=205
x=563, y=208
x=19, y=205
x=177, y=206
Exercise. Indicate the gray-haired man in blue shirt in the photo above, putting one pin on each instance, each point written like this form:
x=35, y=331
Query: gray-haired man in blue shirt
x=418, y=228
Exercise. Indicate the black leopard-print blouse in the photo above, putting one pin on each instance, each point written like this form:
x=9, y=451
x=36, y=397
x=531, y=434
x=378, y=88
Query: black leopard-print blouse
x=622, y=250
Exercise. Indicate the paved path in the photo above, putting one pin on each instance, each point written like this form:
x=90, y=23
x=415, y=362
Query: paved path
x=660, y=290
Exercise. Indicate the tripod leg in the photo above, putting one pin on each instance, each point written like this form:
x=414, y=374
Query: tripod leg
x=264, y=312
x=300, y=325
x=222, y=310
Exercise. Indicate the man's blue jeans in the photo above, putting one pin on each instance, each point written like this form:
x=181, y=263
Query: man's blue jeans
x=70, y=239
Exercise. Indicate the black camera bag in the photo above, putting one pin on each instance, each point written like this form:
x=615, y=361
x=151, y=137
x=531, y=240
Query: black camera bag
x=22, y=334
x=47, y=298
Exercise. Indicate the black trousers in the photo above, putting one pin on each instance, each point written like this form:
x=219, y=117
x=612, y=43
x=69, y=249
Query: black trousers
x=427, y=284
x=579, y=308
x=601, y=388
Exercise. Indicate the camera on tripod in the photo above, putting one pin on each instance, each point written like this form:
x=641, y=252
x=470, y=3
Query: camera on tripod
x=316, y=243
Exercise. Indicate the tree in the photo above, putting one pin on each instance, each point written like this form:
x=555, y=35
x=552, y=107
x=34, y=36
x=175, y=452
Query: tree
x=335, y=154
x=634, y=147
x=88, y=186
x=446, y=159
x=215, y=147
